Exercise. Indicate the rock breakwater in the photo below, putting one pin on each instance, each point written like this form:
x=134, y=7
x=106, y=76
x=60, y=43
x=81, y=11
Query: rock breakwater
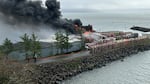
x=56, y=72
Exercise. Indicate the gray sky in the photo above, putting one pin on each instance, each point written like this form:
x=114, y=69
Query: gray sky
x=105, y=4
x=99, y=5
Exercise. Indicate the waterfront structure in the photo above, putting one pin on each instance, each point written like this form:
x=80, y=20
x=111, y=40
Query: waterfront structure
x=48, y=48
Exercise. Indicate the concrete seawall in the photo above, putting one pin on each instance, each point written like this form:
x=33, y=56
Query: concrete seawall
x=56, y=72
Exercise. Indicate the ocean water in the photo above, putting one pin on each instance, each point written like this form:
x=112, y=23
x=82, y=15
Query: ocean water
x=112, y=21
x=134, y=69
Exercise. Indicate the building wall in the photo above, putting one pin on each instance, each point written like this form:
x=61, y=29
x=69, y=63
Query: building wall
x=45, y=51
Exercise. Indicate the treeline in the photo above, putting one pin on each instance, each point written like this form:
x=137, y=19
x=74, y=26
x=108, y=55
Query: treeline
x=31, y=45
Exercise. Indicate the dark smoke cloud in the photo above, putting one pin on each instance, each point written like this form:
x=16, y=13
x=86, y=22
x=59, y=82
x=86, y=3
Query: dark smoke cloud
x=33, y=12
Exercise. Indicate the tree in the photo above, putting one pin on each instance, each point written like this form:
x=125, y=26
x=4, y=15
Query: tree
x=67, y=45
x=62, y=41
x=35, y=46
x=7, y=47
x=59, y=38
x=82, y=40
x=31, y=46
x=26, y=43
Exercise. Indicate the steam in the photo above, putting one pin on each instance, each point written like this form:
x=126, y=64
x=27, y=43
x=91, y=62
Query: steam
x=32, y=12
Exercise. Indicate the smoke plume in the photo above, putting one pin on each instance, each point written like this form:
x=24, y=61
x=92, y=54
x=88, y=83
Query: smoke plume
x=32, y=12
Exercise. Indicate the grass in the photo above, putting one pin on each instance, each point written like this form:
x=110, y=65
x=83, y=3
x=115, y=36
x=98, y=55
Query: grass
x=4, y=77
x=15, y=72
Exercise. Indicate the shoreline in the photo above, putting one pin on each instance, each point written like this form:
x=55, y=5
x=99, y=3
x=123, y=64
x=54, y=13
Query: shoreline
x=56, y=72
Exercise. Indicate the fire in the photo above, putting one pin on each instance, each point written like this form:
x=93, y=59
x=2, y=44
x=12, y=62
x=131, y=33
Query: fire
x=87, y=33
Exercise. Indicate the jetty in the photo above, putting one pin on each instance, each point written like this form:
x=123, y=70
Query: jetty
x=143, y=29
x=101, y=54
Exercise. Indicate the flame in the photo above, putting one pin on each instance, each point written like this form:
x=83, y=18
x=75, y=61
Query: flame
x=87, y=33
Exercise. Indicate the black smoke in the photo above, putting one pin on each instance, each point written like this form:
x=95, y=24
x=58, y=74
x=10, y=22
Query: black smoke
x=33, y=12
x=77, y=22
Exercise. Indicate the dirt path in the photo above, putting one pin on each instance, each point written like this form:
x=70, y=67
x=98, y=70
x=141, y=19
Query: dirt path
x=62, y=57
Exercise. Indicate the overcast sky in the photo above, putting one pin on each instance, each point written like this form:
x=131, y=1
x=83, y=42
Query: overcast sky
x=104, y=4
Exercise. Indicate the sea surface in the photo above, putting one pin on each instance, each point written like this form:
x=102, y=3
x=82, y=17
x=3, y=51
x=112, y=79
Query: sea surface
x=134, y=69
x=111, y=21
